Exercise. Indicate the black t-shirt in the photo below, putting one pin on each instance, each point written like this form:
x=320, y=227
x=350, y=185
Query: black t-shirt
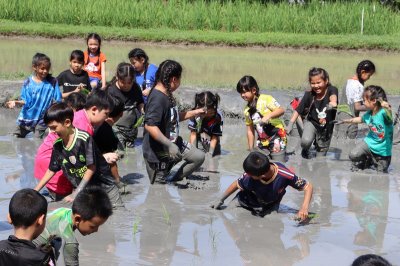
x=69, y=81
x=19, y=252
x=74, y=160
x=311, y=108
x=131, y=100
x=105, y=138
x=161, y=113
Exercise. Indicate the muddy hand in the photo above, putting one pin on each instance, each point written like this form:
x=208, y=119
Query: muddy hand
x=217, y=205
x=174, y=152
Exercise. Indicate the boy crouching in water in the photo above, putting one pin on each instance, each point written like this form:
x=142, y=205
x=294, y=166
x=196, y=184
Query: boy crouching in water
x=90, y=209
x=263, y=186
x=76, y=154
x=27, y=213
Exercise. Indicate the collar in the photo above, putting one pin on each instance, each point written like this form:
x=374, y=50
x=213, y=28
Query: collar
x=273, y=176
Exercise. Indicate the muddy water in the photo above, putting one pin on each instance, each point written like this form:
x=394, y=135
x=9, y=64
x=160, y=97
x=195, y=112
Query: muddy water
x=172, y=225
x=213, y=66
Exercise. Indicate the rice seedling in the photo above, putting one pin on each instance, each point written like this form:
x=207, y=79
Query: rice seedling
x=166, y=215
x=136, y=223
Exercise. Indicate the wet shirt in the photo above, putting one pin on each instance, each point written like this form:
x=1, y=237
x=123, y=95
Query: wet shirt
x=266, y=104
x=59, y=223
x=147, y=79
x=131, y=99
x=74, y=160
x=274, y=189
x=38, y=96
x=93, y=64
x=315, y=110
x=105, y=138
x=211, y=126
x=20, y=252
x=161, y=113
x=380, y=135
x=70, y=81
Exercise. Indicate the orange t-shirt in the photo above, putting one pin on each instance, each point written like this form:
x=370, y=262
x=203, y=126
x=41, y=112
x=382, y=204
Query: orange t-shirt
x=93, y=65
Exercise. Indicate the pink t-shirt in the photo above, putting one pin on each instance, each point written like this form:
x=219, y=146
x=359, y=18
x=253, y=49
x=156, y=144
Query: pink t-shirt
x=59, y=183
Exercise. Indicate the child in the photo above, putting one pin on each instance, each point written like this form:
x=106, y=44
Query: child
x=377, y=145
x=37, y=93
x=95, y=61
x=75, y=79
x=76, y=101
x=262, y=115
x=162, y=145
x=124, y=87
x=263, y=186
x=210, y=123
x=106, y=139
x=370, y=260
x=351, y=102
x=27, y=213
x=77, y=156
x=318, y=106
x=90, y=210
x=145, y=72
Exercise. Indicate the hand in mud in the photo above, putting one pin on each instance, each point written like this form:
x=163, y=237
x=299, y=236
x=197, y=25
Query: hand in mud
x=174, y=152
x=217, y=205
x=289, y=127
x=302, y=214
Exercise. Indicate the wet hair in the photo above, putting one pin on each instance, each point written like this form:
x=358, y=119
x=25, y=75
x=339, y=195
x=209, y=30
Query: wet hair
x=373, y=92
x=317, y=71
x=76, y=101
x=140, y=53
x=370, y=260
x=58, y=112
x=367, y=66
x=97, y=38
x=92, y=201
x=245, y=84
x=206, y=99
x=124, y=71
x=256, y=164
x=118, y=108
x=167, y=70
x=77, y=55
x=26, y=206
x=99, y=98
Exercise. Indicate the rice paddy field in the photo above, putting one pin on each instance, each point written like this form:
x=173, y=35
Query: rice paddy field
x=228, y=22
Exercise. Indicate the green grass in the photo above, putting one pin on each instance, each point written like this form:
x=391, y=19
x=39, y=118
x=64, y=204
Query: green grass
x=318, y=17
x=212, y=37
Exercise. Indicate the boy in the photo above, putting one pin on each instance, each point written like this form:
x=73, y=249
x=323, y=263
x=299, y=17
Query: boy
x=90, y=209
x=77, y=156
x=263, y=186
x=107, y=141
x=27, y=213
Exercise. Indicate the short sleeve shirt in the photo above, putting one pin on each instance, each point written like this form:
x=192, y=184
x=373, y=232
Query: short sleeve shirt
x=354, y=93
x=211, y=126
x=82, y=122
x=315, y=109
x=59, y=223
x=70, y=81
x=272, y=191
x=93, y=64
x=74, y=160
x=380, y=135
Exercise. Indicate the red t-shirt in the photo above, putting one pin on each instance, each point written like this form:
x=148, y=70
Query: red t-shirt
x=93, y=64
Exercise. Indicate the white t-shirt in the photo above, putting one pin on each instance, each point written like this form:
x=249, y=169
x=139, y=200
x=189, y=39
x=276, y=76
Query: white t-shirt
x=354, y=93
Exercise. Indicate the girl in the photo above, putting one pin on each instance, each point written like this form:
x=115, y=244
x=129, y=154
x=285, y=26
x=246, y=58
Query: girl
x=145, y=72
x=124, y=87
x=210, y=123
x=262, y=115
x=318, y=106
x=37, y=94
x=95, y=61
x=351, y=102
x=75, y=79
x=377, y=145
x=162, y=145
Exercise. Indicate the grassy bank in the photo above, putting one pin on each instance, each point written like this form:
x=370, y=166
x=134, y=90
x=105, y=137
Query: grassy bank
x=212, y=37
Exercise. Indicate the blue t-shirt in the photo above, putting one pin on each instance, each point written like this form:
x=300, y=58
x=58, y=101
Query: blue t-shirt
x=274, y=189
x=380, y=135
x=147, y=81
x=38, y=96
